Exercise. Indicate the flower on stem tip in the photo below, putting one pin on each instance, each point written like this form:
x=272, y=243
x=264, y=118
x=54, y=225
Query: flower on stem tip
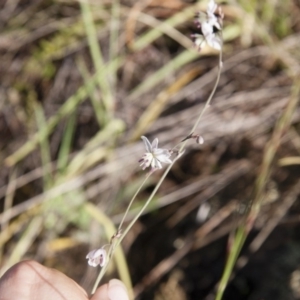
x=97, y=257
x=210, y=25
x=198, y=138
x=154, y=156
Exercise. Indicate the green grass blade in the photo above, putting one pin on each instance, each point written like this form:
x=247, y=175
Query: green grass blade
x=239, y=240
x=44, y=146
x=114, y=34
x=158, y=31
x=66, y=109
x=179, y=61
x=101, y=70
x=269, y=153
x=65, y=148
x=97, y=106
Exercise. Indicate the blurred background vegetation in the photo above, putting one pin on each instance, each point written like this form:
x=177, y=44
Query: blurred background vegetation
x=80, y=82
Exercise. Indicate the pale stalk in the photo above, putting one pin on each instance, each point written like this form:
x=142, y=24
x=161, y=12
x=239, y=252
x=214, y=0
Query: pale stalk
x=207, y=104
x=208, y=101
x=131, y=201
x=115, y=242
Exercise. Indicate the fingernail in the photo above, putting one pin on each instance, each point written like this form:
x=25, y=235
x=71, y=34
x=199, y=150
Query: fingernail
x=117, y=290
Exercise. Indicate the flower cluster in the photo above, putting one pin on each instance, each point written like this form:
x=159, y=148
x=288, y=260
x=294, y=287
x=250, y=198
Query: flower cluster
x=210, y=26
x=154, y=156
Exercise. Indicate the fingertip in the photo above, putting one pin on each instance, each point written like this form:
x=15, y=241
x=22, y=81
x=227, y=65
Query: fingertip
x=114, y=290
x=117, y=290
x=101, y=293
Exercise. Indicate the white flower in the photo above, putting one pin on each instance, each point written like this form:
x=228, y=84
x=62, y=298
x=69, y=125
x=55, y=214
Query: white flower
x=211, y=39
x=210, y=25
x=212, y=19
x=97, y=257
x=154, y=156
x=214, y=40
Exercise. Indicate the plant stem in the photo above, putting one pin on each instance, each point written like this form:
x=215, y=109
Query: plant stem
x=115, y=240
x=131, y=201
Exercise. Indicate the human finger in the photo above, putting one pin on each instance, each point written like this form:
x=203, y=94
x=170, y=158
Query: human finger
x=30, y=280
x=114, y=290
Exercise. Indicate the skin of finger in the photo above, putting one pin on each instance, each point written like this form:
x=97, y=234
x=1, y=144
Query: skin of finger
x=114, y=290
x=101, y=293
x=29, y=280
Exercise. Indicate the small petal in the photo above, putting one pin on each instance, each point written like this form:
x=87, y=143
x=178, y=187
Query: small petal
x=164, y=158
x=157, y=164
x=154, y=143
x=199, y=40
x=212, y=6
x=211, y=17
x=147, y=144
x=201, y=17
x=159, y=151
x=213, y=21
x=214, y=41
x=207, y=29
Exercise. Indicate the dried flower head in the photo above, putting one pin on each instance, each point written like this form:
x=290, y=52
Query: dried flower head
x=198, y=138
x=97, y=257
x=210, y=26
x=154, y=156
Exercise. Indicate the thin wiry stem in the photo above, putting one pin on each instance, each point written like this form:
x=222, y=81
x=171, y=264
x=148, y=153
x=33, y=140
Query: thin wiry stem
x=148, y=201
x=115, y=243
x=178, y=156
x=207, y=104
x=131, y=201
x=117, y=240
